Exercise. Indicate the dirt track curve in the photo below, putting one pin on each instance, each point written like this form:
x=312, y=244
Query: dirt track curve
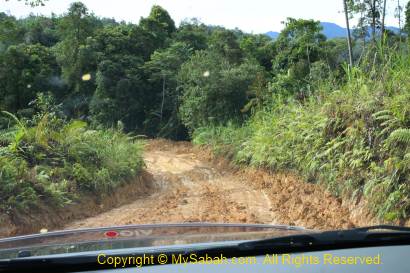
x=189, y=187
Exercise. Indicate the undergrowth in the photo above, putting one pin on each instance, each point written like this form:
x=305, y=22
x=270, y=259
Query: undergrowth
x=354, y=140
x=49, y=159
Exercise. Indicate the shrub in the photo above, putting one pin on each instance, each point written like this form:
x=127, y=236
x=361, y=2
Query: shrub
x=50, y=159
x=355, y=141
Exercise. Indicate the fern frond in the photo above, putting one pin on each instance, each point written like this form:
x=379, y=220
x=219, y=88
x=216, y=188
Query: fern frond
x=399, y=136
x=381, y=114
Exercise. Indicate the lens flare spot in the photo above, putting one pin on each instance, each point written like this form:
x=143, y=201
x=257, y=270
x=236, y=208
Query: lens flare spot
x=86, y=77
x=43, y=230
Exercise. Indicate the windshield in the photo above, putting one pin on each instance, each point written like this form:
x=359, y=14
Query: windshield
x=114, y=116
x=142, y=236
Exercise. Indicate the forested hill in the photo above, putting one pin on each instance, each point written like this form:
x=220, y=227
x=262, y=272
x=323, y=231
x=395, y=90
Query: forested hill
x=144, y=75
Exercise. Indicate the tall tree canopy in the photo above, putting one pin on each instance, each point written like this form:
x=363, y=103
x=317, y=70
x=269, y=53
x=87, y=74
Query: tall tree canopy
x=158, y=79
x=159, y=25
x=162, y=67
x=298, y=45
x=25, y=70
x=407, y=15
x=214, y=90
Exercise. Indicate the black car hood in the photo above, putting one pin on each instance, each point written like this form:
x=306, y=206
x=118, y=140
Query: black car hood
x=108, y=238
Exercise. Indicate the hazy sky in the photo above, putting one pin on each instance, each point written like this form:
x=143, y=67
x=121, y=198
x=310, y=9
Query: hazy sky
x=256, y=16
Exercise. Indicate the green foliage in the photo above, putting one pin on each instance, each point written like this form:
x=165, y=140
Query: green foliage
x=74, y=28
x=300, y=40
x=407, y=18
x=371, y=12
x=55, y=161
x=259, y=47
x=24, y=71
x=289, y=103
x=162, y=67
x=193, y=33
x=120, y=93
x=106, y=72
x=303, y=58
x=41, y=30
x=214, y=91
x=355, y=141
x=224, y=42
x=10, y=31
x=159, y=25
x=161, y=18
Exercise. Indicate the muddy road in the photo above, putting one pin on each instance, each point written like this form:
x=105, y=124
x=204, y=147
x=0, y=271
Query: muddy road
x=190, y=187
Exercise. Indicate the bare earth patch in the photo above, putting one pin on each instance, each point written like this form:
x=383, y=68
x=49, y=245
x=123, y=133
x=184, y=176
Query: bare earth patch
x=190, y=186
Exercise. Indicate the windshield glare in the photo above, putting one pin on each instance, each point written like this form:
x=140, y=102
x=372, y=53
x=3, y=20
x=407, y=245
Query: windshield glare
x=139, y=237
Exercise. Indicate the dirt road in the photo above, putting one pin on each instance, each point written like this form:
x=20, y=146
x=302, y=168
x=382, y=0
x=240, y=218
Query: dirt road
x=190, y=188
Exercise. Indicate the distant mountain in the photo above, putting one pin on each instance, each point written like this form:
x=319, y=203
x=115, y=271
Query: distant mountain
x=331, y=30
x=394, y=29
x=272, y=34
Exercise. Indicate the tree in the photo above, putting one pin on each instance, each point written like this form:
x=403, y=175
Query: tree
x=361, y=31
x=163, y=69
x=11, y=31
x=225, y=43
x=299, y=46
x=193, y=33
x=374, y=11
x=76, y=59
x=25, y=70
x=159, y=25
x=260, y=47
x=398, y=15
x=121, y=94
x=41, y=30
x=74, y=28
x=349, y=38
x=383, y=18
x=407, y=24
x=301, y=41
x=371, y=11
x=214, y=91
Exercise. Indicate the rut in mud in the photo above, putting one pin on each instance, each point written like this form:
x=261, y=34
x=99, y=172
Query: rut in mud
x=188, y=187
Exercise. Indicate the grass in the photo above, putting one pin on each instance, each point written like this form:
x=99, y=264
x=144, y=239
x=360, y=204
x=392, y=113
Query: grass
x=354, y=140
x=58, y=162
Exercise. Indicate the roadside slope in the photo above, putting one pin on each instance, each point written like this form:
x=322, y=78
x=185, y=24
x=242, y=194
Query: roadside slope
x=190, y=187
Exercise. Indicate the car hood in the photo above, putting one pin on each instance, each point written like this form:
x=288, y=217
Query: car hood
x=137, y=236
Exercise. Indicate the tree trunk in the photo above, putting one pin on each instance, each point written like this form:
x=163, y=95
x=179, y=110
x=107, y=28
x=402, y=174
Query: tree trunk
x=163, y=96
x=349, y=37
x=399, y=16
x=383, y=19
x=373, y=11
x=362, y=19
x=364, y=32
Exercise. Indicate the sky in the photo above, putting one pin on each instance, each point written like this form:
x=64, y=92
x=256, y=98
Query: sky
x=253, y=16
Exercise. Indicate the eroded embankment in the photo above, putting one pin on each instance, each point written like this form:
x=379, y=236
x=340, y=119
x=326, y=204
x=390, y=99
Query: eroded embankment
x=183, y=183
x=191, y=186
x=48, y=217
